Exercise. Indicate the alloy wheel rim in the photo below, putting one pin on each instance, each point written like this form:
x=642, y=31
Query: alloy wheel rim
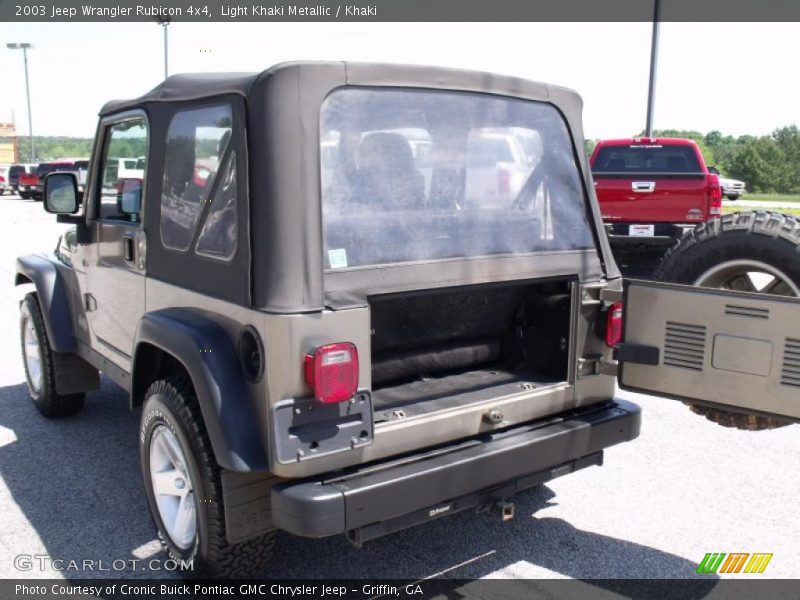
x=172, y=487
x=749, y=276
x=33, y=355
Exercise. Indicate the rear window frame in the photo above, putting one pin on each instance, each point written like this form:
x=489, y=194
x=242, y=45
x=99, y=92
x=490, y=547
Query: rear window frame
x=592, y=247
x=687, y=149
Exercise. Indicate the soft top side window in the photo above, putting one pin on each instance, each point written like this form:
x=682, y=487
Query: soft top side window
x=197, y=145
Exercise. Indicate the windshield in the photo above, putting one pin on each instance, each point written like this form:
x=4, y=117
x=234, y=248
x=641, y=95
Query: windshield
x=646, y=158
x=419, y=175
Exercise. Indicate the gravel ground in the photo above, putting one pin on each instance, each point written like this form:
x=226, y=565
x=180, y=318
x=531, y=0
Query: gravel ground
x=72, y=489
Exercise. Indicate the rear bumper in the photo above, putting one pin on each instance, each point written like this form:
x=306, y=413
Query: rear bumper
x=397, y=494
x=626, y=241
x=666, y=234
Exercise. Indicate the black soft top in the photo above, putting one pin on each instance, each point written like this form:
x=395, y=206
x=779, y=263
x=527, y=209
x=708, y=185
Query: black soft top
x=195, y=86
x=188, y=86
x=280, y=108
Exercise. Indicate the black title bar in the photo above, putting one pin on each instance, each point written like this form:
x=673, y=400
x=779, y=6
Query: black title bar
x=204, y=11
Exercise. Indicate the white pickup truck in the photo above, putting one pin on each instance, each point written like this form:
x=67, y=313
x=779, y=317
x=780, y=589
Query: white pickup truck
x=731, y=188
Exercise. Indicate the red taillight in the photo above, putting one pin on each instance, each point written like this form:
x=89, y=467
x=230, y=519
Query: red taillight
x=614, y=325
x=714, y=196
x=503, y=181
x=332, y=372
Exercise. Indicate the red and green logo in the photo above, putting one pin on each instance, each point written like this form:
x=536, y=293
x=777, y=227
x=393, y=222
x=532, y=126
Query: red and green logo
x=735, y=562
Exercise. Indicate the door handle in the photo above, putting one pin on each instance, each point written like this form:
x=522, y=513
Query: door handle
x=127, y=248
x=643, y=186
x=89, y=303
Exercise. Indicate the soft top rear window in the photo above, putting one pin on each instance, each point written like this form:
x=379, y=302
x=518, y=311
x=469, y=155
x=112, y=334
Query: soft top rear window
x=646, y=158
x=418, y=175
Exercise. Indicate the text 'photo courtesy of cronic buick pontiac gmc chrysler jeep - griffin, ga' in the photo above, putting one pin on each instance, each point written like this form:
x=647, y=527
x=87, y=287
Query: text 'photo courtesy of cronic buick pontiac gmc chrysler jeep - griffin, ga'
x=350, y=298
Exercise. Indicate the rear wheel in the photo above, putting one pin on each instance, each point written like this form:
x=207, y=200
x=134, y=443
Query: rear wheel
x=41, y=363
x=746, y=251
x=183, y=483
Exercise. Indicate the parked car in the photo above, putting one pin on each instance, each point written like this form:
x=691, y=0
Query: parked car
x=27, y=183
x=4, y=183
x=652, y=190
x=363, y=355
x=499, y=164
x=14, y=172
x=79, y=166
x=731, y=188
x=41, y=172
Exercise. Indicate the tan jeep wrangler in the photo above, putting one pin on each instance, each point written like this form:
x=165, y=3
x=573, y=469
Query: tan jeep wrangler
x=352, y=298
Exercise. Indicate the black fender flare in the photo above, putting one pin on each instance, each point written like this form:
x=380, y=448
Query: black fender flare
x=198, y=341
x=42, y=272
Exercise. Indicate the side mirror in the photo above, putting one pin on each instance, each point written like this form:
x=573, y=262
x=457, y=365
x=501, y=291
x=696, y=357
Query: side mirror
x=129, y=196
x=713, y=170
x=61, y=194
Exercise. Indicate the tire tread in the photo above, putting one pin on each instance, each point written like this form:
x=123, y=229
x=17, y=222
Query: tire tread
x=223, y=559
x=50, y=404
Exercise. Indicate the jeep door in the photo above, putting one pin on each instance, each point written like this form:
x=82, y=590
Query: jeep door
x=115, y=273
x=734, y=350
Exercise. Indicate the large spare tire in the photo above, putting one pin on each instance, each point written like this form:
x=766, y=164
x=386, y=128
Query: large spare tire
x=755, y=251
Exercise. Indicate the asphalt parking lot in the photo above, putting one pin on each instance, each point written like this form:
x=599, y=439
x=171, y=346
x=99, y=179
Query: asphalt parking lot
x=71, y=489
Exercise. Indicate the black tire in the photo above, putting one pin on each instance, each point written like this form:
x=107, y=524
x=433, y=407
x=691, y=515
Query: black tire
x=732, y=197
x=45, y=398
x=767, y=237
x=25, y=196
x=172, y=403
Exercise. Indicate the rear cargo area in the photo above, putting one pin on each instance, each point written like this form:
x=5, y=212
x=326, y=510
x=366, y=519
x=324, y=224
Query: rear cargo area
x=439, y=349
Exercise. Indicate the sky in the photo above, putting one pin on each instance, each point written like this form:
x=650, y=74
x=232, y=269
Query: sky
x=733, y=77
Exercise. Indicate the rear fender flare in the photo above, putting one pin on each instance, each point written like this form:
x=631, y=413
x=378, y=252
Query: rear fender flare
x=210, y=358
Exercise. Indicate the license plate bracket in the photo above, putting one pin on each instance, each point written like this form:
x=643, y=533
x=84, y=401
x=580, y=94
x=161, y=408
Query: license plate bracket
x=641, y=230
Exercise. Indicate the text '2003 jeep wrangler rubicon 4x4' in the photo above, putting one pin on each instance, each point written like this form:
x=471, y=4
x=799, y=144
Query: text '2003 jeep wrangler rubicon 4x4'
x=331, y=333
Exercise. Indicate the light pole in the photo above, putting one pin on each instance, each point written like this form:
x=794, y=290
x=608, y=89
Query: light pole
x=25, y=47
x=164, y=22
x=651, y=90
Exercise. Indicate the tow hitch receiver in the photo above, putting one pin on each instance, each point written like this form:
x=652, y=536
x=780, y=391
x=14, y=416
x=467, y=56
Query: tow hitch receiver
x=505, y=510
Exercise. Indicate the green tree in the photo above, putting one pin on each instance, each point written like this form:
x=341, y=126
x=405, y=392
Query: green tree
x=713, y=138
x=51, y=148
x=762, y=164
x=788, y=140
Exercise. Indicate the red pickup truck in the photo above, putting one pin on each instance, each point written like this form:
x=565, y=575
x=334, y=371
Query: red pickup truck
x=26, y=185
x=652, y=189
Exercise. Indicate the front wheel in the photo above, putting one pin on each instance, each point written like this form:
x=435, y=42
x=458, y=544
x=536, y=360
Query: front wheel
x=41, y=364
x=183, y=483
x=746, y=251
